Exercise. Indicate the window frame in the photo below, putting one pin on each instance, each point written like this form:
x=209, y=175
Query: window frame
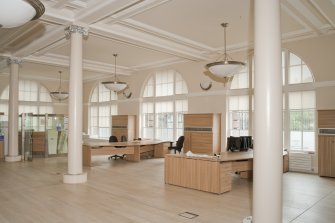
x=174, y=98
x=101, y=99
x=287, y=88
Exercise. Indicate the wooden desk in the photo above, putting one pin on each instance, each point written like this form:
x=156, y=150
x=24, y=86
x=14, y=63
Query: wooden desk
x=207, y=174
x=132, y=149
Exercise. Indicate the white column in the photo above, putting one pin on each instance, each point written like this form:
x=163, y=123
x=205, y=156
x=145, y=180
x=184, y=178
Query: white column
x=13, y=111
x=268, y=147
x=75, y=152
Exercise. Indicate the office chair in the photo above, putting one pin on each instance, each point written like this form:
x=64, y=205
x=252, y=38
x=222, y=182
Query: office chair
x=179, y=144
x=114, y=139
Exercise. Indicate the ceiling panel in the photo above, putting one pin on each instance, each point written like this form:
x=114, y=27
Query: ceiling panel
x=150, y=33
x=289, y=24
x=102, y=50
x=14, y=39
x=200, y=20
x=328, y=10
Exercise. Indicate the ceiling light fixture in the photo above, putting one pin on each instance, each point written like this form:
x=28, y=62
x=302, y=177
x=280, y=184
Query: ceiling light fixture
x=225, y=67
x=18, y=12
x=59, y=95
x=115, y=85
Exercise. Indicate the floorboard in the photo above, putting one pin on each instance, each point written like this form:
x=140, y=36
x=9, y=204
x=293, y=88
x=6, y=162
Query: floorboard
x=121, y=191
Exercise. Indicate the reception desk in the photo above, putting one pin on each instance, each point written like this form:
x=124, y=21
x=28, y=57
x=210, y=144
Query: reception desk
x=210, y=174
x=132, y=149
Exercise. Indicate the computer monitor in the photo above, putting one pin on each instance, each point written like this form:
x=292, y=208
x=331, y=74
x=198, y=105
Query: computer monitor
x=241, y=143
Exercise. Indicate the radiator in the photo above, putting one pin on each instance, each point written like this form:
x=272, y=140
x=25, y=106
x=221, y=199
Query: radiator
x=301, y=162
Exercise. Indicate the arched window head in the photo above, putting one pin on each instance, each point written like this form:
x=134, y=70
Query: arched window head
x=298, y=71
x=165, y=83
x=101, y=94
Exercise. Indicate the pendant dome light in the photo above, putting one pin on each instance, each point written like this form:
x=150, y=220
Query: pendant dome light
x=59, y=95
x=115, y=85
x=15, y=13
x=225, y=67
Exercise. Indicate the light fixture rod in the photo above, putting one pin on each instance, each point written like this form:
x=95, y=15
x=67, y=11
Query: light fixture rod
x=115, y=55
x=225, y=25
x=60, y=79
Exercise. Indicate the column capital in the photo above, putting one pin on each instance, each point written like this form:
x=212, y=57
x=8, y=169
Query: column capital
x=16, y=60
x=75, y=29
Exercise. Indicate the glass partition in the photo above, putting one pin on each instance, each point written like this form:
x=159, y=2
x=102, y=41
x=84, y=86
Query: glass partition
x=26, y=140
x=56, y=129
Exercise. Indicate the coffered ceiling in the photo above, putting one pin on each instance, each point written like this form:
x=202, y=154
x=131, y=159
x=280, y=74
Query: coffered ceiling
x=149, y=33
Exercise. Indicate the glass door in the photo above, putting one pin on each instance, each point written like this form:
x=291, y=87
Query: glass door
x=56, y=134
x=26, y=136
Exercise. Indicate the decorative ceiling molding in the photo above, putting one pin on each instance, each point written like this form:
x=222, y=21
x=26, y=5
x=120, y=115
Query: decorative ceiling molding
x=148, y=41
x=115, y=20
x=323, y=13
x=161, y=63
x=305, y=12
x=89, y=65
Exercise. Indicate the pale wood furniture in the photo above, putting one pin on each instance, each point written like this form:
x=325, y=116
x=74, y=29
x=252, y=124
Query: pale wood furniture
x=285, y=163
x=326, y=118
x=39, y=143
x=124, y=125
x=202, y=133
x=2, y=154
x=326, y=155
x=326, y=143
x=133, y=149
x=210, y=174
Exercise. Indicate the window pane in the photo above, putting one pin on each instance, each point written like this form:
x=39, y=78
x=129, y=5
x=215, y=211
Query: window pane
x=94, y=97
x=306, y=74
x=295, y=75
x=163, y=119
x=238, y=116
x=44, y=95
x=295, y=100
x=294, y=60
x=180, y=85
x=308, y=99
x=5, y=93
x=240, y=80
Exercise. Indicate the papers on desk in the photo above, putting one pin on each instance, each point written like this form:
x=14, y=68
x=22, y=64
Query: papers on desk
x=190, y=154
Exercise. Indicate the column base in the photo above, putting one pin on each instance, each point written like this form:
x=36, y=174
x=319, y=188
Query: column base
x=75, y=178
x=13, y=158
x=247, y=219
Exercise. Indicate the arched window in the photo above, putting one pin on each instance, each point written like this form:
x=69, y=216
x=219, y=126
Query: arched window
x=238, y=105
x=299, y=117
x=102, y=107
x=33, y=98
x=163, y=106
x=298, y=101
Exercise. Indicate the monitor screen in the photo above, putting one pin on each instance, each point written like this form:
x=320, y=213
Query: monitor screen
x=241, y=143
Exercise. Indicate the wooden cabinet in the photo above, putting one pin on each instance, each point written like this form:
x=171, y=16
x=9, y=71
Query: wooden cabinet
x=326, y=143
x=124, y=125
x=326, y=155
x=39, y=145
x=326, y=118
x=202, y=133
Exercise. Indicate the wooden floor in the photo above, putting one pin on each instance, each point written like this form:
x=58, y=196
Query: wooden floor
x=120, y=191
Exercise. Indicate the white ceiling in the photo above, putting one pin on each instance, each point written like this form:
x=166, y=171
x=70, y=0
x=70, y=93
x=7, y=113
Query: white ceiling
x=149, y=33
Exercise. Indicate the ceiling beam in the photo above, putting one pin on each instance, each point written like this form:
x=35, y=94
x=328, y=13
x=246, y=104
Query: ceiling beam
x=51, y=37
x=323, y=13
